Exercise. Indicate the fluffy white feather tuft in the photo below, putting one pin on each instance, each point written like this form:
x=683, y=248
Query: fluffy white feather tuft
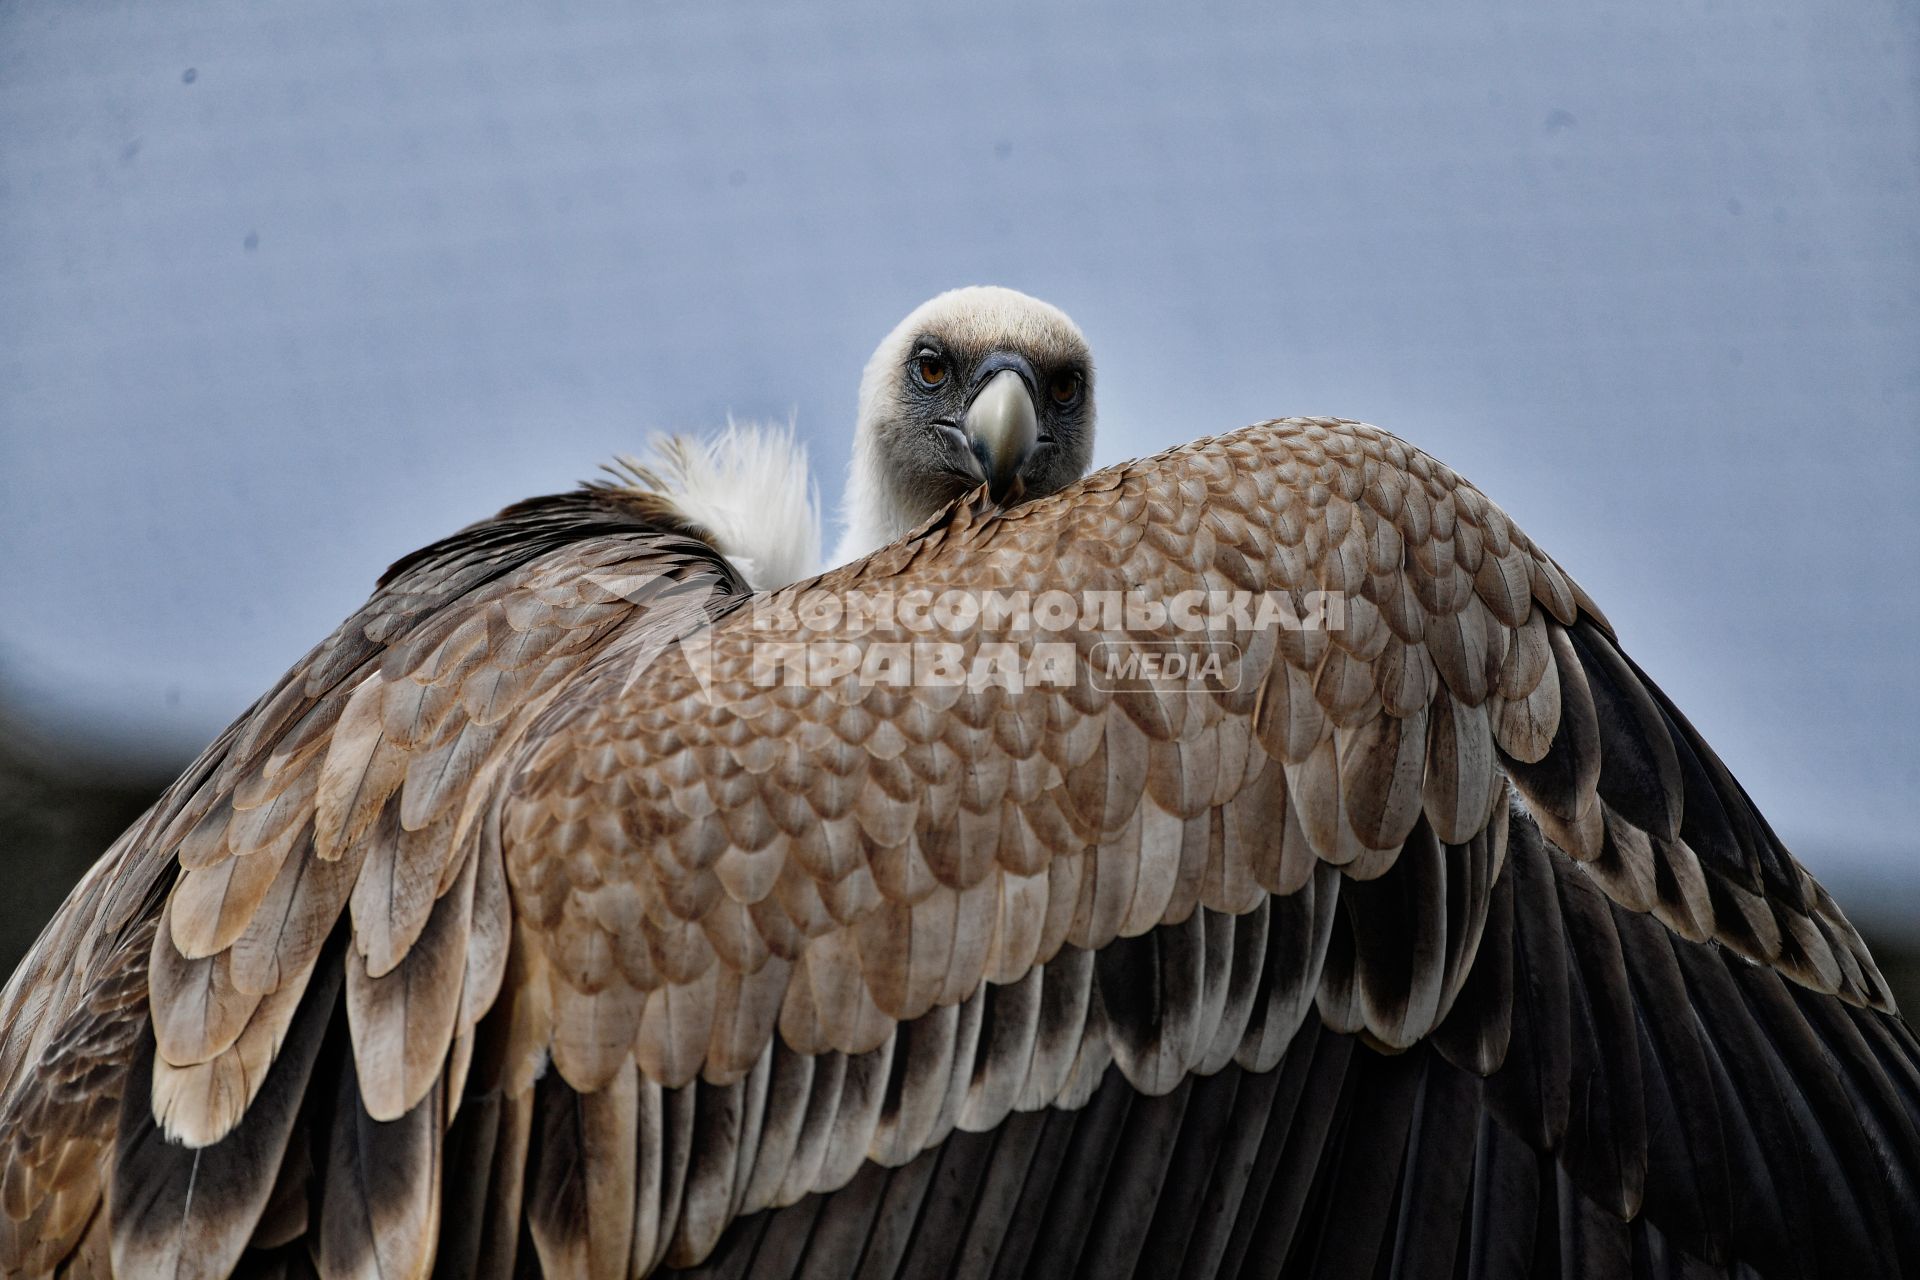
x=750, y=489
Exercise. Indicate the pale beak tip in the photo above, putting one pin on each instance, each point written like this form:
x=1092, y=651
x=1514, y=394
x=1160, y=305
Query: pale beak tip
x=1002, y=430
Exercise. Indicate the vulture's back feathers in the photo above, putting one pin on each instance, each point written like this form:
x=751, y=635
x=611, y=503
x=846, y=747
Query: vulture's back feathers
x=527, y=921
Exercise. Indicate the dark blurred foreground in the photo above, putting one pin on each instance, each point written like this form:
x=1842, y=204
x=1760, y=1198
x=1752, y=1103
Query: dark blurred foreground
x=56, y=818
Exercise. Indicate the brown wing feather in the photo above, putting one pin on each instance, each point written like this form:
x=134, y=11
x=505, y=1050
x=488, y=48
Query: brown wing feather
x=1468, y=664
x=359, y=778
x=1357, y=775
x=694, y=860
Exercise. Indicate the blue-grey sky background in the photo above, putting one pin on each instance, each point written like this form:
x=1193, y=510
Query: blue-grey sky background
x=288, y=290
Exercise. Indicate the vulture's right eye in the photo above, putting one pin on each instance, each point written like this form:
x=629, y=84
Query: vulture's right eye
x=930, y=369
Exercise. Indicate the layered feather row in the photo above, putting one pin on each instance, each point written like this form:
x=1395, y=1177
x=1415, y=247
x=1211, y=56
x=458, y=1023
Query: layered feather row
x=559, y=866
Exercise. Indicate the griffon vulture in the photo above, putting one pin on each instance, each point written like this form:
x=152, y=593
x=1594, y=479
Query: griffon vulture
x=525, y=926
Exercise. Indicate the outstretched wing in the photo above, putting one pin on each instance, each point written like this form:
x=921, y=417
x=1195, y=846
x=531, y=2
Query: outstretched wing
x=506, y=910
x=1661, y=1108
x=323, y=852
x=875, y=917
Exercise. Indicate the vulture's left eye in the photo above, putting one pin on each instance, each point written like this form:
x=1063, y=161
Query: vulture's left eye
x=930, y=369
x=1065, y=387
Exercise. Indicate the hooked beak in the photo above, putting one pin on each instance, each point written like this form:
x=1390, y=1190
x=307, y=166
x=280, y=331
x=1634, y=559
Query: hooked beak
x=1002, y=429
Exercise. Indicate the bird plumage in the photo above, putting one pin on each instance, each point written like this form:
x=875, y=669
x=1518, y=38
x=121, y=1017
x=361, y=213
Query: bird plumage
x=1437, y=940
x=746, y=491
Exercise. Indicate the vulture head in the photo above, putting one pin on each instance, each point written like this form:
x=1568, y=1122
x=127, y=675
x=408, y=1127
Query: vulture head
x=978, y=386
x=981, y=385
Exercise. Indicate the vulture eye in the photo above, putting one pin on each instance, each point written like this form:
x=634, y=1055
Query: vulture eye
x=1065, y=387
x=930, y=369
